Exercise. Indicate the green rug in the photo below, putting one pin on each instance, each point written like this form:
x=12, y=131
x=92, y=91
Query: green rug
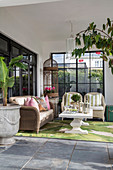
x=97, y=131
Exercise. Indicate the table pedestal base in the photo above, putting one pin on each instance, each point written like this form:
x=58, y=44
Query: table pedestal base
x=76, y=123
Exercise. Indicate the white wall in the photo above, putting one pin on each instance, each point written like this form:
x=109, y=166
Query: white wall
x=108, y=85
x=51, y=47
x=15, y=29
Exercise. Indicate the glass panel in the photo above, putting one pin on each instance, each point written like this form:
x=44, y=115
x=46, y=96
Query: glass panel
x=61, y=65
x=59, y=58
x=70, y=65
x=61, y=76
x=25, y=81
x=3, y=45
x=15, y=51
x=97, y=88
x=83, y=76
x=96, y=61
x=70, y=60
x=31, y=80
x=31, y=58
x=70, y=76
x=83, y=88
x=84, y=61
x=15, y=88
x=97, y=75
x=70, y=87
x=25, y=56
x=61, y=90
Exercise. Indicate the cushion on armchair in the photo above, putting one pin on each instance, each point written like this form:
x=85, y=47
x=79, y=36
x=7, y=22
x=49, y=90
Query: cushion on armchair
x=68, y=99
x=99, y=108
x=95, y=99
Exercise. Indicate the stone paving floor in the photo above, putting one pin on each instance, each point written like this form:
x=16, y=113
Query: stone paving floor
x=52, y=154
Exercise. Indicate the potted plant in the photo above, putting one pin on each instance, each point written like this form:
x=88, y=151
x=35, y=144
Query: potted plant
x=9, y=115
x=76, y=98
x=101, y=38
x=50, y=92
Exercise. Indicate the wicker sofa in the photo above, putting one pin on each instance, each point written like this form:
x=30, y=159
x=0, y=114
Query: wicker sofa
x=30, y=117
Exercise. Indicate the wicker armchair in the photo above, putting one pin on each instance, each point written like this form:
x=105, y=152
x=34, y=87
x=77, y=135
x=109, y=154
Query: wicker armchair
x=64, y=99
x=98, y=111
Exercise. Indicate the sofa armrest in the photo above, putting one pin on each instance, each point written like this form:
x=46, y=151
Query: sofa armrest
x=30, y=118
x=103, y=103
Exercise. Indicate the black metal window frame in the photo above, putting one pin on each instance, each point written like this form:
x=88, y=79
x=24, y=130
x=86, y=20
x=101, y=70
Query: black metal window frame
x=9, y=54
x=90, y=83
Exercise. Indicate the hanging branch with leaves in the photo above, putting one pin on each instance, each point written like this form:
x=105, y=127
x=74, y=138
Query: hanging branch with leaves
x=102, y=39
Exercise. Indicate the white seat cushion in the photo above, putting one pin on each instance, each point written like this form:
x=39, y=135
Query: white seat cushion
x=97, y=107
x=45, y=114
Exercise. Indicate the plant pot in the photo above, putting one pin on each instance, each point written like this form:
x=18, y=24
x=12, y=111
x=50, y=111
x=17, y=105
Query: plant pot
x=9, y=123
x=75, y=104
x=50, y=95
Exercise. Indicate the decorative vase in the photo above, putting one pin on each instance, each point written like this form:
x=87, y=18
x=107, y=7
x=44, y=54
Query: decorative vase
x=75, y=105
x=9, y=123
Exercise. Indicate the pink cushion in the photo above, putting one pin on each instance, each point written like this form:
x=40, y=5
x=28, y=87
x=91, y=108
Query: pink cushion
x=47, y=101
x=33, y=103
x=26, y=103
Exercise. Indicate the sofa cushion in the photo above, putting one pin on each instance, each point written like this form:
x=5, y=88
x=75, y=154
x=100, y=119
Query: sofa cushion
x=42, y=103
x=97, y=107
x=26, y=102
x=33, y=103
x=44, y=115
x=41, y=108
x=20, y=101
x=68, y=99
x=95, y=99
x=47, y=101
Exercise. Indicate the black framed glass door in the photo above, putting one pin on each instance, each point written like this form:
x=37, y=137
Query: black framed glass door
x=81, y=75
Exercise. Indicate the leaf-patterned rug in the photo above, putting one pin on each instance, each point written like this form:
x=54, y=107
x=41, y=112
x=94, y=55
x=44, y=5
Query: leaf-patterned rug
x=97, y=131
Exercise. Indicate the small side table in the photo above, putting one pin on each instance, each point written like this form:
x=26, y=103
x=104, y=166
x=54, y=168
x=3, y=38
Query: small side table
x=55, y=101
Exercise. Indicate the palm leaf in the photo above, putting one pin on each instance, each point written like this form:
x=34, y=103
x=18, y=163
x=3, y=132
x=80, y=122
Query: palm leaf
x=9, y=81
x=21, y=65
x=3, y=70
x=15, y=60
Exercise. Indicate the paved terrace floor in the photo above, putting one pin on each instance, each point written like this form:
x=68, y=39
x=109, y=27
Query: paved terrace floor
x=52, y=154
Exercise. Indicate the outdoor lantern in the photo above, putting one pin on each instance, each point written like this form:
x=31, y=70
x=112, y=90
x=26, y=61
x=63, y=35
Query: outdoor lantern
x=70, y=43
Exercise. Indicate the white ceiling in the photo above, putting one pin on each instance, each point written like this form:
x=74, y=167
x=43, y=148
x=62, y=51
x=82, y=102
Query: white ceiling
x=50, y=19
x=6, y=3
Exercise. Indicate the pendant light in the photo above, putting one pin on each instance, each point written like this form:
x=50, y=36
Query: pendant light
x=70, y=43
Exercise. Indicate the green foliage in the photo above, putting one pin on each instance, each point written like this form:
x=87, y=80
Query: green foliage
x=3, y=71
x=5, y=80
x=75, y=97
x=102, y=39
